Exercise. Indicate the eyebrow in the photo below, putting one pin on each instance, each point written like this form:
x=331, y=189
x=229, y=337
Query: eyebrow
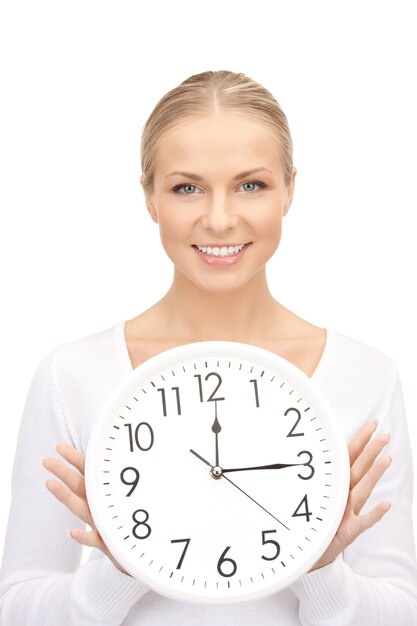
x=237, y=177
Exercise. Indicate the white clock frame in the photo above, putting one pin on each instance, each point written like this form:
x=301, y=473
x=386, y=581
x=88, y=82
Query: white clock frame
x=142, y=381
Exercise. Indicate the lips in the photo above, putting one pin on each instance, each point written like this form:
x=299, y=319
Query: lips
x=221, y=256
x=219, y=245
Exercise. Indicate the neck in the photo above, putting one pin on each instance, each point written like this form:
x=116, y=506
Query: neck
x=233, y=315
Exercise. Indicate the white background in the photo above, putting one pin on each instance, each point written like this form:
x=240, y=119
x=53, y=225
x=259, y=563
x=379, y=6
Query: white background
x=79, y=251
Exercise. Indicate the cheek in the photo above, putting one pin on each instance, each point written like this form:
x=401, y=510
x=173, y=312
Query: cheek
x=268, y=226
x=173, y=228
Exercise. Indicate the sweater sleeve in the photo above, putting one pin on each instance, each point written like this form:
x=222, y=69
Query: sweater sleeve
x=374, y=581
x=41, y=580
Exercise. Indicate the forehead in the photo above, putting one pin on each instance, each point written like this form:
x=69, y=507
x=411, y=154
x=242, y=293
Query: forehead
x=226, y=139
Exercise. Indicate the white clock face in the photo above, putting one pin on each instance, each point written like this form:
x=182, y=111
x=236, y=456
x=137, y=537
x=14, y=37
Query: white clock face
x=216, y=473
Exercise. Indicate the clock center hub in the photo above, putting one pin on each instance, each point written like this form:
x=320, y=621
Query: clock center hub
x=216, y=472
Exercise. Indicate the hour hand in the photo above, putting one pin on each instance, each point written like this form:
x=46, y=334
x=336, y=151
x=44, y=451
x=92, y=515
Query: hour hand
x=262, y=467
x=216, y=428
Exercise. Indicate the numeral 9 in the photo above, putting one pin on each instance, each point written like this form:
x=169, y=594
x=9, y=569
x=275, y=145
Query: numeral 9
x=133, y=482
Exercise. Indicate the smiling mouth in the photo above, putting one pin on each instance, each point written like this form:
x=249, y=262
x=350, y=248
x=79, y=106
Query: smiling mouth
x=222, y=251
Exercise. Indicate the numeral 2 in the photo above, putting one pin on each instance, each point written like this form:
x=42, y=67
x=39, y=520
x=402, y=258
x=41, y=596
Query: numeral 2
x=292, y=433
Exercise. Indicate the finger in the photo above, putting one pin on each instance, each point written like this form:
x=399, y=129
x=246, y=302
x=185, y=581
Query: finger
x=360, y=440
x=71, y=479
x=367, y=458
x=369, y=519
x=73, y=456
x=361, y=492
x=75, y=504
x=90, y=538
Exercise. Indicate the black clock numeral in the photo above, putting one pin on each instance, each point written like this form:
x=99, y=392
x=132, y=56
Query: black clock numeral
x=273, y=542
x=141, y=523
x=200, y=386
x=307, y=464
x=307, y=513
x=292, y=433
x=133, y=482
x=136, y=440
x=164, y=403
x=223, y=559
x=255, y=385
x=187, y=543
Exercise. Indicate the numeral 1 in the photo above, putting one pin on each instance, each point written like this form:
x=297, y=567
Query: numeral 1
x=255, y=384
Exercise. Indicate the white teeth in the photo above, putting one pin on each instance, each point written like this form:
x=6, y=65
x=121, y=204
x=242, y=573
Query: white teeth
x=223, y=251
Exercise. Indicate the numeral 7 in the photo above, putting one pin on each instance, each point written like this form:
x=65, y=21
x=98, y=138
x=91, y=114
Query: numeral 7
x=187, y=543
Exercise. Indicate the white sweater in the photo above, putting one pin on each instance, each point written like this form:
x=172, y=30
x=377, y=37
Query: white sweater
x=42, y=583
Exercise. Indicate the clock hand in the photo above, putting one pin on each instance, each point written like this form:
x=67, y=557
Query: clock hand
x=261, y=467
x=216, y=428
x=253, y=500
x=237, y=487
x=215, y=470
x=200, y=457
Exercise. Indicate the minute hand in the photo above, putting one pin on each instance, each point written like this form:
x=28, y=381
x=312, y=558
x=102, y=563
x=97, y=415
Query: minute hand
x=262, y=467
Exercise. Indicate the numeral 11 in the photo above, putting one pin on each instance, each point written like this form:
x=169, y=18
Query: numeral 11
x=164, y=404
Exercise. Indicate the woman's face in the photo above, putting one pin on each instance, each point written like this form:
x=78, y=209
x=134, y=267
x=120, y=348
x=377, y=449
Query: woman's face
x=204, y=196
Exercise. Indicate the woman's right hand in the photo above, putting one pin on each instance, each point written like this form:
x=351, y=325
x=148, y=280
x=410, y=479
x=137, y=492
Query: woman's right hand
x=71, y=492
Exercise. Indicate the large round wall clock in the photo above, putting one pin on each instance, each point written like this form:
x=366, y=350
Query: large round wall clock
x=216, y=472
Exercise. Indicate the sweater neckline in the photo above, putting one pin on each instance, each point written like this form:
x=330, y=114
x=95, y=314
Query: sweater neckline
x=119, y=329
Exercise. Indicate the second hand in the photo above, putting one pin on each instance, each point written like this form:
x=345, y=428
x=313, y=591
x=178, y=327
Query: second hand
x=237, y=487
x=260, y=505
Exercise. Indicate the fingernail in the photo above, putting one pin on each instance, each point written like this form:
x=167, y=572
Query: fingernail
x=387, y=437
x=55, y=445
x=387, y=506
x=42, y=459
x=45, y=481
x=69, y=534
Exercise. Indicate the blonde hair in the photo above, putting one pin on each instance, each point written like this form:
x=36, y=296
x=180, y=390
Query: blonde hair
x=207, y=93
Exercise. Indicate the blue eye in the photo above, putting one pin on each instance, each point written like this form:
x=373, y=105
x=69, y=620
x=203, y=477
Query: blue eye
x=254, y=182
x=188, y=188
x=185, y=186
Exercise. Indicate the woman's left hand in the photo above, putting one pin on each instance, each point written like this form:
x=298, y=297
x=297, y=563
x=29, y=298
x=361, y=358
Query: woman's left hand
x=365, y=471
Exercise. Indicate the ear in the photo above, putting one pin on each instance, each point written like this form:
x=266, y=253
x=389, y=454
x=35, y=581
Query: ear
x=149, y=201
x=288, y=201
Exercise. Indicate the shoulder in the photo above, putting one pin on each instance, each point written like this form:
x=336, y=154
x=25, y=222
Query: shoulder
x=359, y=381
x=82, y=372
x=86, y=350
x=359, y=362
x=91, y=361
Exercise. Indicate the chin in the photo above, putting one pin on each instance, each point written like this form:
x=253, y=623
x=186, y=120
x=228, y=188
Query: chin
x=222, y=284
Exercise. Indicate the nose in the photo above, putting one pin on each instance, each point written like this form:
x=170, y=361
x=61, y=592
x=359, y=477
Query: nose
x=219, y=215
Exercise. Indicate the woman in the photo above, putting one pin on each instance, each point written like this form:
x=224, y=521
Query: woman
x=218, y=178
